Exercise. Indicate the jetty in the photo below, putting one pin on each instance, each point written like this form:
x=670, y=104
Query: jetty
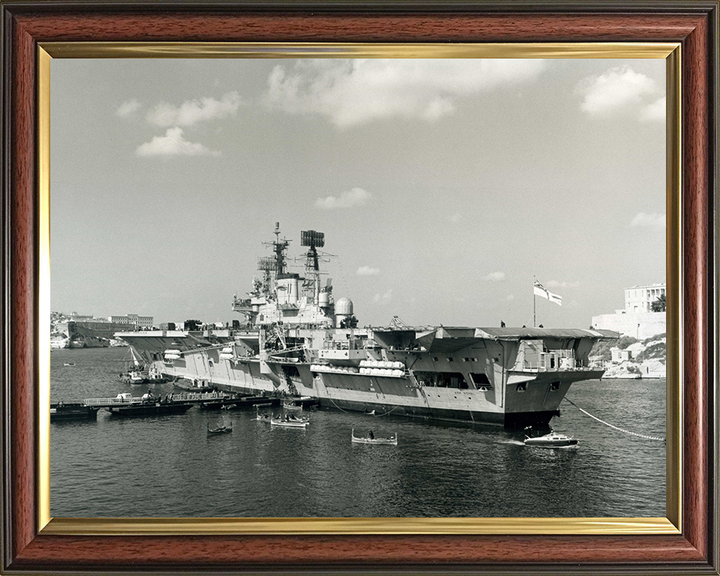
x=126, y=404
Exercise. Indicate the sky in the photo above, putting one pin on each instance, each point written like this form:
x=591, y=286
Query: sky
x=443, y=187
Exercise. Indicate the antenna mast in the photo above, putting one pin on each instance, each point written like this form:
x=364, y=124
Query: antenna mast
x=274, y=266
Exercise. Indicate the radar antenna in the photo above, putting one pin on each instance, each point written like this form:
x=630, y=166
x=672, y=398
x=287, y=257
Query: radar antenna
x=313, y=240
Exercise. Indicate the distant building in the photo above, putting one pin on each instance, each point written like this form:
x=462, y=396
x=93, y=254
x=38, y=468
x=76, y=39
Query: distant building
x=617, y=355
x=75, y=317
x=636, y=320
x=640, y=298
x=141, y=321
x=133, y=320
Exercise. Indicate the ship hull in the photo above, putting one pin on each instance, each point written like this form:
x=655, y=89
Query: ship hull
x=536, y=405
x=517, y=420
x=470, y=378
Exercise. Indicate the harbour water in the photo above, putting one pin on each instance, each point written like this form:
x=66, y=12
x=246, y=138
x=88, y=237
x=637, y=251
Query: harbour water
x=167, y=466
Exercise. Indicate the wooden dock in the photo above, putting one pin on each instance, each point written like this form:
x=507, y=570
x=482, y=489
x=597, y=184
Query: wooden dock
x=208, y=399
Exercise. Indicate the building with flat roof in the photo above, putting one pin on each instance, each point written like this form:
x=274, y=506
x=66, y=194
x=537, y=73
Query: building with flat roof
x=637, y=318
x=641, y=298
x=133, y=320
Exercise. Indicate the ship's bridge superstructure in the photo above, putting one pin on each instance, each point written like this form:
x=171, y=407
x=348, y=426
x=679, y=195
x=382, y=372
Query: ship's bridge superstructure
x=282, y=297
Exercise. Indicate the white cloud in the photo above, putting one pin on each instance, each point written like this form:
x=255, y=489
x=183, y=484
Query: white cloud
x=128, y=107
x=495, y=277
x=559, y=284
x=173, y=144
x=367, y=271
x=455, y=218
x=383, y=298
x=352, y=92
x=654, y=112
x=348, y=199
x=616, y=90
x=194, y=111
x=510, y=298
x=654, y=220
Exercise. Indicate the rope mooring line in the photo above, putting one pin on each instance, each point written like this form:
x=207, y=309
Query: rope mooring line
x=375, y=415
x=386, y=413
x=338, y=407
x=646, y=437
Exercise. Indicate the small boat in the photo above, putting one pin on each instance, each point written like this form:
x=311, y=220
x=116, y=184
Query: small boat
x=193, y=385
x=69, y=364
x=226, y=402
x=139, y=374
x=292, y=406
x=149, y=406
x=219, y=402
x=72, y=411
x=551, y=440
x=371, y=439
x=219, y=430
x=290, y=422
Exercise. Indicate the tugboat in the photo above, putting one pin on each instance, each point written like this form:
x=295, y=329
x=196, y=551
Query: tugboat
x=298, y=341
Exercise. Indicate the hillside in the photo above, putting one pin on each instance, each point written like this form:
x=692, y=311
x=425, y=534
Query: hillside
x=631, y=358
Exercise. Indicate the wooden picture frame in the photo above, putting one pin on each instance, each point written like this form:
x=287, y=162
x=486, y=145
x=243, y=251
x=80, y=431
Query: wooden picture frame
x=26, y=548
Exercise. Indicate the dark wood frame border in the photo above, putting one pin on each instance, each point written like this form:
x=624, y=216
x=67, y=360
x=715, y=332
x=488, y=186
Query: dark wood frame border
x=692, y=23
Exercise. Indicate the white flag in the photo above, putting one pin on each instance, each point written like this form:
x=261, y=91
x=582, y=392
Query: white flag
x=540, y=290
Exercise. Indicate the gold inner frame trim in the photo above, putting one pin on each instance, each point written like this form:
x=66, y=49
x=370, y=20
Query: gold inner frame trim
x=349, y=526
x=44, y=307
x=356, y=526
x=652, y=50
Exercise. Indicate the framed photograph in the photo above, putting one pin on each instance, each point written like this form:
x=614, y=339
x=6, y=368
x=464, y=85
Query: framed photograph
x=359, y=288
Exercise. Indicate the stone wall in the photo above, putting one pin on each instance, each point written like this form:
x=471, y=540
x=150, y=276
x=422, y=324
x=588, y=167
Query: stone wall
x=640, y=326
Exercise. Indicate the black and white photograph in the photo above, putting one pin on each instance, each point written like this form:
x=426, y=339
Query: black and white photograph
x=358, y=288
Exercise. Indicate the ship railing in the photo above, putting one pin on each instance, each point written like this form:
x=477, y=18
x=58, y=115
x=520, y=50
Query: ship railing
x=562, y=367
x=175, y=397
x=555, y=361
x=111, y=401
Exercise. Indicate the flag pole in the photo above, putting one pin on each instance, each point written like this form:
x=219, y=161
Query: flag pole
x=534, y=320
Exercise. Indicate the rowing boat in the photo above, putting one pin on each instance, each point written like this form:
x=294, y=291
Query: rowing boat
x=219, y=430
x=290, y=423
x=391, y=441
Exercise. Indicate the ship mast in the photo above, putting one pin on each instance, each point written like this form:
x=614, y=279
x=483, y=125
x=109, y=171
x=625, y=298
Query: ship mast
x=274, y=266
